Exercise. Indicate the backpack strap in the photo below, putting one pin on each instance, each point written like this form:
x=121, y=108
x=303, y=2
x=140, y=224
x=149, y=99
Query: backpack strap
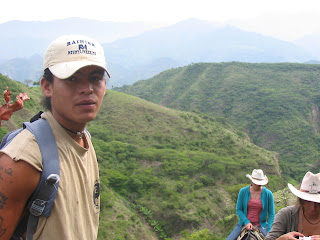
x=41, y=201
x=36, y=116
x=37, y=208
x=50, y=162
x=87, y=132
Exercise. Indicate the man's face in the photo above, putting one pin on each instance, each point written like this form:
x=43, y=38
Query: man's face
x=77, y=100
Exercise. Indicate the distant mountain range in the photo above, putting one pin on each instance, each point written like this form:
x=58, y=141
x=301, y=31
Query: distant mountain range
x=22, y=39
x=137, y=51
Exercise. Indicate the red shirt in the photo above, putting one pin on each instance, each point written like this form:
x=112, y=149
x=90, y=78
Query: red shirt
x=254, y=210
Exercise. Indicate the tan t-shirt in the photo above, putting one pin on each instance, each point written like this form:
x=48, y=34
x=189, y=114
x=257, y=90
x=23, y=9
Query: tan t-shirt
x=75, y=214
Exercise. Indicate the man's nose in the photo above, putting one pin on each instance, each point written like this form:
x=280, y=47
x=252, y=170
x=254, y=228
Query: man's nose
x=86, y=87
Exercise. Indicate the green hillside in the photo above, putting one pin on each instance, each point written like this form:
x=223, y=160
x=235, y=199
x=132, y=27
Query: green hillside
x=30, y=108
x=164, y=172
x=277, y=105
x=184, y=167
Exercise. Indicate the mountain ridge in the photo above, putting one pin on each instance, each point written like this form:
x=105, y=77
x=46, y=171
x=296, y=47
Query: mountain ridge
x=133, y=53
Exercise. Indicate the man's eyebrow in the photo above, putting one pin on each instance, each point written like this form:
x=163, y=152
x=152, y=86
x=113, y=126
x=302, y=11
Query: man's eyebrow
x=99, y=71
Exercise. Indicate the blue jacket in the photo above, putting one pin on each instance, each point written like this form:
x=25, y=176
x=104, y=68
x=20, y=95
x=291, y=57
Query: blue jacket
x=268, y=210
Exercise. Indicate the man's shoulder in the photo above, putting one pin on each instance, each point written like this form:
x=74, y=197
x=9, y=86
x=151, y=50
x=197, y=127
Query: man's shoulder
x=289, y=210
x=23, y=137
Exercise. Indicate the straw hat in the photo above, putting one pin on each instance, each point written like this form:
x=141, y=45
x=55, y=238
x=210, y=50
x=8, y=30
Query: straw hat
x=310, y=188
x=258, y=177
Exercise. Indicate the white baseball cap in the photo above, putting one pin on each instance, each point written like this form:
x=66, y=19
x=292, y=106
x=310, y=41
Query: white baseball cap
x=68, y=53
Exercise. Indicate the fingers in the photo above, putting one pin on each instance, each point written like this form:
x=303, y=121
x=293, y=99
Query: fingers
x=249, y=226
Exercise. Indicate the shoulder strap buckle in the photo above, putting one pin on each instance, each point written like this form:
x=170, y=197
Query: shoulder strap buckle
x=53, y=179
x=37, y=207
x=39, y=204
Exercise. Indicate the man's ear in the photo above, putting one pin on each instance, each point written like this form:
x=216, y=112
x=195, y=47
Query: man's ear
x=105, y=87
x=46, y=87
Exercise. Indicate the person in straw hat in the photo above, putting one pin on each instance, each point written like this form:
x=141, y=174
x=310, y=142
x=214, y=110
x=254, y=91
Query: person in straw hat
x=302, y=219
x=255, y=205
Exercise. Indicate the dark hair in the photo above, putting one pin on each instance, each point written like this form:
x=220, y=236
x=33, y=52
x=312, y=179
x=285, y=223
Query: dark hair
x=46, y=101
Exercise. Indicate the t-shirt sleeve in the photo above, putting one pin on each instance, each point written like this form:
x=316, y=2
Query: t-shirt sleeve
x=24, y=147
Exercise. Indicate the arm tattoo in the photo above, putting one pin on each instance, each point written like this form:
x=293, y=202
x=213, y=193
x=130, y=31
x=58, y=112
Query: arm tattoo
x=8, y=171
x=2, y=230
x=3, y=200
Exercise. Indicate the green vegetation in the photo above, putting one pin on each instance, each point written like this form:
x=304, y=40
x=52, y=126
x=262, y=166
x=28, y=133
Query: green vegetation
x=164, y=172
x=179, y=165
x=277, y=105
x=203, y=234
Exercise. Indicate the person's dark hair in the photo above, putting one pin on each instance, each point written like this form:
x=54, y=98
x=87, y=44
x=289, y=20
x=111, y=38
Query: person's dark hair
x=46, y=101
x=299, y=202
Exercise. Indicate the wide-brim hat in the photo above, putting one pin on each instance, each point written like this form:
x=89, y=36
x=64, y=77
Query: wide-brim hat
x=258, y=177
x=310, y=188
x=68, y=53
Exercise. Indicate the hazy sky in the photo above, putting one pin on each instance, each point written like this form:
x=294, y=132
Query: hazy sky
x=284, y=19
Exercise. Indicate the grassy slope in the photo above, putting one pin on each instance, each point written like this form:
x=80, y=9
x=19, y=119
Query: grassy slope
x=183, y=168
x=179, y=165
x=276, y=104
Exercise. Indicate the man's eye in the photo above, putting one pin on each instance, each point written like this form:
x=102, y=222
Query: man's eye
x=96, y=78
x=71, y=79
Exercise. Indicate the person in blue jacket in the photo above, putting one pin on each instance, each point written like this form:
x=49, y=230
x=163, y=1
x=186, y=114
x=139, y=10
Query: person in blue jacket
x=255, y=205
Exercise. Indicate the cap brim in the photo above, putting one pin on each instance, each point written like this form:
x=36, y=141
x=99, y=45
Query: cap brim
x=67, y=69
x=258, y=182
x=304, y=195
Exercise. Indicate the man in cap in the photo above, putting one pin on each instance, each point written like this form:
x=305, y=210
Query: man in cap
x=74, y=85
